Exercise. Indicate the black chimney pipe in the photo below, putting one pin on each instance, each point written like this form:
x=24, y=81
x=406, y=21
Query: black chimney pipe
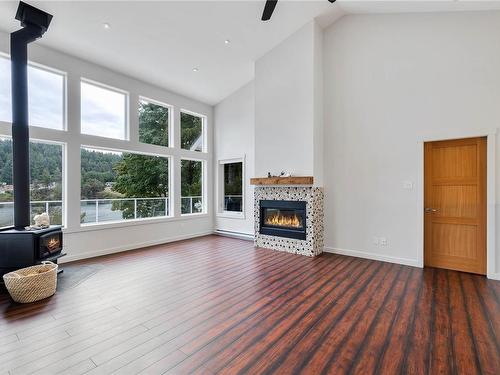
x=35, y=23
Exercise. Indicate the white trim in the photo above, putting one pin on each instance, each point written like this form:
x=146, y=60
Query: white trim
x=119, y=249
x=494, y=276
x=90, y=227
x=491, y=196
x=373, y=256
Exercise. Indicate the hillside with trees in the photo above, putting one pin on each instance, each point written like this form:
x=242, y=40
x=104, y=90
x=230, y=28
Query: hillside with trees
x=107, y=175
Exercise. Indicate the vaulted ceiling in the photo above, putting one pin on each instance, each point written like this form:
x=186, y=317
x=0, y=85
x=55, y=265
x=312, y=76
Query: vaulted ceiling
x=163, y=42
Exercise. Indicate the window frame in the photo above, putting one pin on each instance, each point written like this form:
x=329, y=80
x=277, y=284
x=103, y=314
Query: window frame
x=64, y=75
x=118, y=223
x=72, y=140
x=204, y=210
x=204, y=147
x=220, y=189
x=126, y=109
x=171, y=141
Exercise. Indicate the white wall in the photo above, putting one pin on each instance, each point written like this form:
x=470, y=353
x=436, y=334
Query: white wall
x=234, y=138
x=390, y=82
x=287, y=107
x=83, y=242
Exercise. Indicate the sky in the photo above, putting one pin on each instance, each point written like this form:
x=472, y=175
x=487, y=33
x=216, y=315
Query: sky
x=102, y=110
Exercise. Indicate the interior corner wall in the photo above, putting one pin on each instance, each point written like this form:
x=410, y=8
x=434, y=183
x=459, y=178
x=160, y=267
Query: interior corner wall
x=390, y=80
x=284, y=106
x=318, y=119
x=234, y=138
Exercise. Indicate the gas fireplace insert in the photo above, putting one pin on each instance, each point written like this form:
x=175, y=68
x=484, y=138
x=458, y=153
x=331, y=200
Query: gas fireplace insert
x=283, y=218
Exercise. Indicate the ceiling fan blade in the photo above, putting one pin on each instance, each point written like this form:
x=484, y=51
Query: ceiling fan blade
x=269, y=9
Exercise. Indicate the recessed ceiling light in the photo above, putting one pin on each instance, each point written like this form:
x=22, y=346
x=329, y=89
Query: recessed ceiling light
x=227, y=41
x=195, y=69
x=107, y=26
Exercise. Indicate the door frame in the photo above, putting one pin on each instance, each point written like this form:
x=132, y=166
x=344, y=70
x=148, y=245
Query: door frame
x=450, y=134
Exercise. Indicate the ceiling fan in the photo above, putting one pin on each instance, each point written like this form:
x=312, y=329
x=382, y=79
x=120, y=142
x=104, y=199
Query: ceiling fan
x=269, y=9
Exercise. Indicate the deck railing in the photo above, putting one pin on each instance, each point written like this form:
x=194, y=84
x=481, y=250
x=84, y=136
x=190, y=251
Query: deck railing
x=233, y=203
x=94, y=211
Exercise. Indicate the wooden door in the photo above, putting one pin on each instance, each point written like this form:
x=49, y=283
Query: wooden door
x=455, y=205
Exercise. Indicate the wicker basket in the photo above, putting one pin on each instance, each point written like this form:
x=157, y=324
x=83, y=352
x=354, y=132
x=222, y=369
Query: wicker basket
x=32, y=284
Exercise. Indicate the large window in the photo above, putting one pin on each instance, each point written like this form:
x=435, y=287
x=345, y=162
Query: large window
x=103, y=111
x=47, y=90
x=192, y=187
x=118, y=186
x=120, y=181
x=154, y=122
x=45, y=185
x=192, y=132
x=231, y=172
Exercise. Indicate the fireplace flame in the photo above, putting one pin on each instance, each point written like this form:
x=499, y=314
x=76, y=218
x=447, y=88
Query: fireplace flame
x=284, y=220
x=53, y=244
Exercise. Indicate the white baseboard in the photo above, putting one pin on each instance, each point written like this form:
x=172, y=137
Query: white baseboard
x=239, y=235
x=372, y=256
x=493, y=276
x=92, y=254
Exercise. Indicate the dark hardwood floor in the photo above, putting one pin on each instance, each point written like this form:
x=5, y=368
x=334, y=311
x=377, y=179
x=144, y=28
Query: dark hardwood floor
x=217, y=305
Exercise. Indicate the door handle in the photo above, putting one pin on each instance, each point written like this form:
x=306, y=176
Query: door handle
x=431, y=210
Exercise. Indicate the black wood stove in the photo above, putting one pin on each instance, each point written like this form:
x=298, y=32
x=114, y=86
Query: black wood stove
x=20, y=247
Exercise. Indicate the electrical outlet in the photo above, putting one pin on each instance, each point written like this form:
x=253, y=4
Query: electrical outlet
x=383, y=241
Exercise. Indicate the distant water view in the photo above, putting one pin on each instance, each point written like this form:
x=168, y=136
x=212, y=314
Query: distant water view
x=103, y=210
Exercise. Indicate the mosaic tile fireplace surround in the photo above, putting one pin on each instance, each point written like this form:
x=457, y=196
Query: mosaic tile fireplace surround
x=289, y=218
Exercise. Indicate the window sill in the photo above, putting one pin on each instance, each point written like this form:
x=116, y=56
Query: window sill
x=231, y=215
x=196, y=214
x=123, y=224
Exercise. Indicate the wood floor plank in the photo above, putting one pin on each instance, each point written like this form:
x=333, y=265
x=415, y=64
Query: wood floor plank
x=463, y=344
x=216, y=305
x=283, y=328
x=485, y=342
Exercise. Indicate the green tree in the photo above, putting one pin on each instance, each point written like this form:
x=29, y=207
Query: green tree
x=153, y=124
x=191, y=131
x=92, y=188
x=141, y=176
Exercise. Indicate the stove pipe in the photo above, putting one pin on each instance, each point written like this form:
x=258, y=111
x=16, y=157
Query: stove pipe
x=34, y=24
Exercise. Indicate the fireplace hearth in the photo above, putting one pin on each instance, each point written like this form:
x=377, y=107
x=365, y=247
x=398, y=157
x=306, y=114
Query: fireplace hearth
x=283, y=218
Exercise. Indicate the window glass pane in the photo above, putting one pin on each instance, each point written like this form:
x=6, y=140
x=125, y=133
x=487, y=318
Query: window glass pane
x=191, y=186
x=103, y=111
x=191, y=132
x=46, y=96
x=45, y=186
x=117, y=186
x=233, y=188
x=153, y=123
x=5, y=91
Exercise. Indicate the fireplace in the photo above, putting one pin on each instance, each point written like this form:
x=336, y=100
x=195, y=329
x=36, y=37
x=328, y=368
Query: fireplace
x=289, y=218
x=283, y=218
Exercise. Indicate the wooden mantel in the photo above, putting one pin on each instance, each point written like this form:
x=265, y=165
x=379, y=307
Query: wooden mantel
x=304, y=180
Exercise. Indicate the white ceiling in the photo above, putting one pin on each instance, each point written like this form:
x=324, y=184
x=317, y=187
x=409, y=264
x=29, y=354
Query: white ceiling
x=162, y=41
